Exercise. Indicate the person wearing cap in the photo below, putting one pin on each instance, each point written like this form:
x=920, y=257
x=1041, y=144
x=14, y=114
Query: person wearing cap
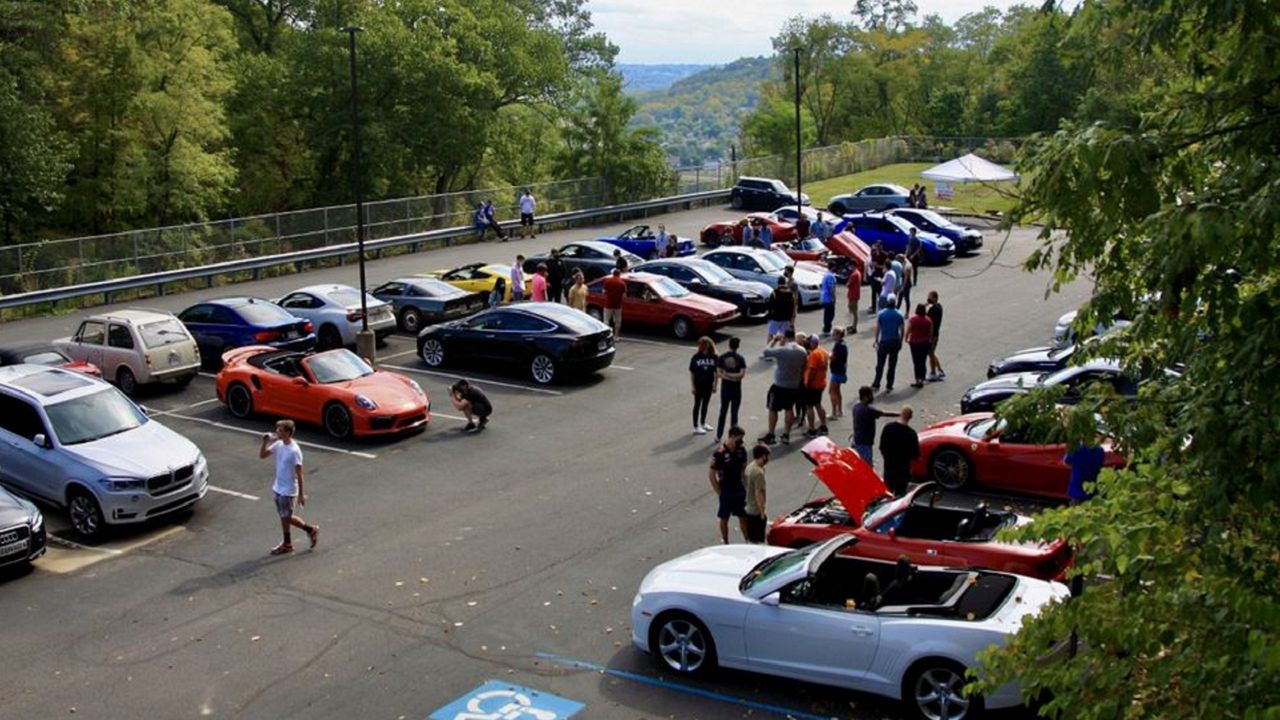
x=888, y=334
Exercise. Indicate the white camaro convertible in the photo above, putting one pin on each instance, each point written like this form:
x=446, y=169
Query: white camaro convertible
x=816, y=615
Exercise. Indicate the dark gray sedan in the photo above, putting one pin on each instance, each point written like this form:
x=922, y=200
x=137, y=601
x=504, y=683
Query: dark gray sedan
x=871, y=197
x=419, y=302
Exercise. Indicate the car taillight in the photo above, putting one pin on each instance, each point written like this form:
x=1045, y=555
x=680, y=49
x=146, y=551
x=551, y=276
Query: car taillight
x=267, y=336
x=354, y=315
x=147, y=357
x=307, y=327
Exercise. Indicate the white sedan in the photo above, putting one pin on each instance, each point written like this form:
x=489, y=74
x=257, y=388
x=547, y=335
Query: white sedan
x=335, y=312
x=819, y=616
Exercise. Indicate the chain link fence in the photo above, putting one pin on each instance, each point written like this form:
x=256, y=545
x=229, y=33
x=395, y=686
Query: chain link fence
x=73, y=261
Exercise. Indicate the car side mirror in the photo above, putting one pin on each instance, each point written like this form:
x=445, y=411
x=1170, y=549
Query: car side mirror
x=300, y=382
x=41, y=440
x=145, y=410
x=772, y=599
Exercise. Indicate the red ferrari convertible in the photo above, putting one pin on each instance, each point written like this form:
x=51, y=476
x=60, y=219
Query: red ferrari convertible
x=335, y=389
x=928, y=525
x=782, y=231
x=659, y=301
x=978, y=449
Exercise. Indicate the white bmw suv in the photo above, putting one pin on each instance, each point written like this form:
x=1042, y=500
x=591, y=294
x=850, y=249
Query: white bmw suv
x=77, y=442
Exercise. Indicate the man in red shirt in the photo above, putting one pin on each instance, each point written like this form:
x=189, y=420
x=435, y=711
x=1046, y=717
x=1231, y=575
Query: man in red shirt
x=615, y=288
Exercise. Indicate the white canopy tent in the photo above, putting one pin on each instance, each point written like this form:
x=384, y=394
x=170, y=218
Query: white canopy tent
x=966, y=169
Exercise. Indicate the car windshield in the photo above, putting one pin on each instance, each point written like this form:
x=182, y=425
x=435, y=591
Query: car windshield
x=934, y=218
x=780, y=187
x=668, y=288
x=92, y=417
x=982, y=429
x=771, y=261
x=163, y=332
x=1061, y=376
x=712, y=273
x=438, y=289
x=879, y=509
x=46, y=357
x=346, y=297
x=899, y=223
x=338, y=366
x=264, y=313
x=772, y=567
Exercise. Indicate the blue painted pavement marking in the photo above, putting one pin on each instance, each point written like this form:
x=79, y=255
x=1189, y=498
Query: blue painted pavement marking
x=496, y=700
x=680, y=687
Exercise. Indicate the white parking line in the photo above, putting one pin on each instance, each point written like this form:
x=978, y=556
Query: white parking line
x=208, y=375
x=446, y=417
x=622, y=367
x=160, y=413
x=396, y=355
x=247, y=431
x=474, y=380
x=56, y=540
x=642, y=341
x=233, y=493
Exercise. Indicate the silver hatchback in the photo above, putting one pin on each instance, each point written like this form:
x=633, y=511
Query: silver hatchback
x=77, y=442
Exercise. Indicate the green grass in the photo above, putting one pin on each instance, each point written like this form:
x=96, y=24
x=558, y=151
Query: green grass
x=971, y=197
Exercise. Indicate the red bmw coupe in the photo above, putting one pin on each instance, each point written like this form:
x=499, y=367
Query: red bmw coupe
x=928, y=525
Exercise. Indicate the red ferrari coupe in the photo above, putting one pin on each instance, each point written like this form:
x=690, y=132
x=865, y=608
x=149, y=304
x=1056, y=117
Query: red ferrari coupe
x=659, y=301
x=928, y=525
x=978, y=449
x=335, y=389
x=782, y=231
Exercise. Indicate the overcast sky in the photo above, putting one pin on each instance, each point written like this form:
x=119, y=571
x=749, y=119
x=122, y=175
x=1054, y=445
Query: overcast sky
x=720, y=31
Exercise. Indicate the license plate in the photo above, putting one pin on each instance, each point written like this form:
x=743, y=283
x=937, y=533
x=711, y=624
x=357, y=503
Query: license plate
x=291, y=335
x=603, y=344
x=174, y=360
x=15, y=547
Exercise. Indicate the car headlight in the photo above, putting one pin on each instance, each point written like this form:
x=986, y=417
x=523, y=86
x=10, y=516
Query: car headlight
x=201, y=463
x=122, y=484
x=366, y=403
x=813, y=288
x=37, y=522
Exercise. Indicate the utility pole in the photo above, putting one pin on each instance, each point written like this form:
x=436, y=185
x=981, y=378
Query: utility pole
x=366, y=342
x=799, y=179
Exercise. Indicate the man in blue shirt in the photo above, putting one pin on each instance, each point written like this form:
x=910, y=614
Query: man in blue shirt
x=828, y=289
x=766, y=236
x=1085, y=463
x=888, y=341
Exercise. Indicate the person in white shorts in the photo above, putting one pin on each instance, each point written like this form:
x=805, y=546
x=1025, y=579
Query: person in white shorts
x=288, y=486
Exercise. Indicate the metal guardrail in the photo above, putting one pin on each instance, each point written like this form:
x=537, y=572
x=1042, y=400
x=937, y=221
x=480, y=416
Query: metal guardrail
x=443, y=236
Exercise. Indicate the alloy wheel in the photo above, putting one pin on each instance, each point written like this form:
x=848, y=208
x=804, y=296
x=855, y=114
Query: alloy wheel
x=543, y=369
x=682, y=645
x=938, y=694
x=433, y=352
x=86, y=516
x=337, y=421
x=239, y=401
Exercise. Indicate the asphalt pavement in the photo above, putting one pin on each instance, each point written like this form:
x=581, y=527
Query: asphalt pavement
x=449, y=559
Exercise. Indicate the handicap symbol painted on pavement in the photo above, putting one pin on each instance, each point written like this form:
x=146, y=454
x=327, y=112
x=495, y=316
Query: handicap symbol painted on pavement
x=496, y=700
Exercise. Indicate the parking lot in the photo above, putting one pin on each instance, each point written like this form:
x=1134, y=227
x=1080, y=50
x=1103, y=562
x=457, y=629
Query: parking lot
x=447, y=559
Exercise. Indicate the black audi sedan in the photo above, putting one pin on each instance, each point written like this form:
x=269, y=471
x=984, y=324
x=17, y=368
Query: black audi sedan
x=548, y=341
x=707, y=278
x=22, y=537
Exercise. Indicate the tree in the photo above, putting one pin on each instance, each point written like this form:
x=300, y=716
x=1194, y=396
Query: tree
x=597, y=143
x=34, y=160
x=822, y=43
x=1176, y=214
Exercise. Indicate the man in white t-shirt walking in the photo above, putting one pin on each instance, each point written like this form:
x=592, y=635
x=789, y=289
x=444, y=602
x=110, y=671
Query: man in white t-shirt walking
x=288, y=487
x=527, y=206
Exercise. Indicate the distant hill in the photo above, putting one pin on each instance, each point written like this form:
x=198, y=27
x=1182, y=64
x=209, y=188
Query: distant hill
x=644, y=78
x=699, y=115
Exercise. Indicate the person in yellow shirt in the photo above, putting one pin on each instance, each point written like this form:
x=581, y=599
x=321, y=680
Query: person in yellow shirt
x=578, y=293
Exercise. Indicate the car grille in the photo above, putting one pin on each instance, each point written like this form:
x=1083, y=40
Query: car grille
x=170, y=481
x=15, y=535
x=381, y=422
x=412, y=420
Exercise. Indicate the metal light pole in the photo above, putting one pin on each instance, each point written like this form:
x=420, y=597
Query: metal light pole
x=799, y=180
x=366, y=343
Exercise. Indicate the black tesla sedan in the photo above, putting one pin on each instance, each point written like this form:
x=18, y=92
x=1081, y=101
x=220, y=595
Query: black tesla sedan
x=1033, y=360
x=707, y=278
x=547, y=340
x=594, y=258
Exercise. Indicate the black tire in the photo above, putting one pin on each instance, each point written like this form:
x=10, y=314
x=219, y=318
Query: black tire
x=682, y=327
x=329, y=338
x=185, y=380
x=951, y=468
x=932, y=691
x=595, y=312
x=838, y=208
x=735, y=201
x=126, y=381
x=337, y=421
x=690, y=649
x=432, y=352
x=411, y=320
x=85, y=514
x=239, y=401
x=710, y=238
x=542, y=368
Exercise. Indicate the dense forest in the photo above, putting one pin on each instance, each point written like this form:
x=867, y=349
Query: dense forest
x=699, y=116
x=150, y=112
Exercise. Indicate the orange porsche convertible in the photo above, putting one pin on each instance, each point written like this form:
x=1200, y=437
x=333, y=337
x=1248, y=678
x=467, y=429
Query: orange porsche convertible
x=335, y=389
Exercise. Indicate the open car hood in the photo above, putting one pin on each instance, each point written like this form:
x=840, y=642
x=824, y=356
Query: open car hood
x=849, y=478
